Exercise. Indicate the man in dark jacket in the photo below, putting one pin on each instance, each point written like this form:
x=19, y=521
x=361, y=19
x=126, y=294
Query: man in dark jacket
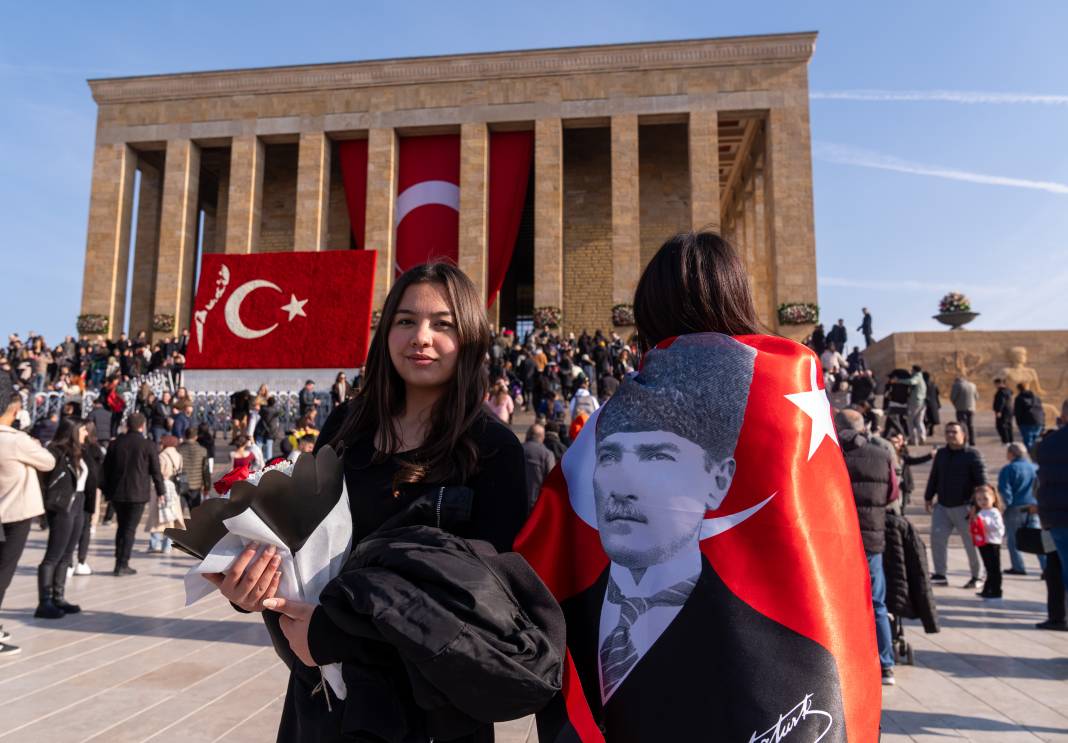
x=1003, y=411
x=838, y=335
x=871, y=473
x=130, y=470
x=101, y=418
x=1051, y=456
x=1030, y=417
x=865, y=327
x=540, y=462
x=957, y=471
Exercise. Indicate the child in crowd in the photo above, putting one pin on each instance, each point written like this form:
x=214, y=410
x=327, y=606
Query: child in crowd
x=988, y=531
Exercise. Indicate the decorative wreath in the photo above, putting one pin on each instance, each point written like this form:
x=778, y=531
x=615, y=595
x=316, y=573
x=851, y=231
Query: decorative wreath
x=163, y=323
x=623, y=315
x=547, y=317
x=799, y=313
x=89, y=324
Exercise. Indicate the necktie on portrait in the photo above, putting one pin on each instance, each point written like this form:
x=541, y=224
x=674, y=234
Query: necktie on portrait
x=618, y=654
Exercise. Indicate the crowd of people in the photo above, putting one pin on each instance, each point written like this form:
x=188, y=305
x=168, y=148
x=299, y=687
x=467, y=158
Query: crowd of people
x=148, y=466
x=1019, y=503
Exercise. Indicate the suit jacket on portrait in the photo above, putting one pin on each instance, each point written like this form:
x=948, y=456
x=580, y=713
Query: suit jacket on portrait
x=721, y=671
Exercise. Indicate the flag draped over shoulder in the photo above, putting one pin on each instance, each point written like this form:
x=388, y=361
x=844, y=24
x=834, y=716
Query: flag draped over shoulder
x=702, y=538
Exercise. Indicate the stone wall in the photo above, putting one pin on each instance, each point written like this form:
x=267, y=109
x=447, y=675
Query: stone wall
x=587, y=229
x=980, y=355
x=664, y=172
x=279, y=208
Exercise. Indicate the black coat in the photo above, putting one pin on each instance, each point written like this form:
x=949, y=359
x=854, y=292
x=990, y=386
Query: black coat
x=131, y=469
x=476, y=636
x=869, y=474
x=933, y=403
x=955, y=475
x=93, y=456
x=1028, y=409
x=908, y=588
x=1051, y=456
x=720, y=671
x=1003, y=402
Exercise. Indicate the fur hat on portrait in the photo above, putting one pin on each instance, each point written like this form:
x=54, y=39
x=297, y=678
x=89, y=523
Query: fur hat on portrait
x=697, y=389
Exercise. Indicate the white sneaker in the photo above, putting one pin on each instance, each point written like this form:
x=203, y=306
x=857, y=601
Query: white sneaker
x=70, y=572
x=83, y=568
x=4, y=634
x=92, y=530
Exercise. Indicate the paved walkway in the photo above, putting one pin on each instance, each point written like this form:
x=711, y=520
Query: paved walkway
x=136, y=665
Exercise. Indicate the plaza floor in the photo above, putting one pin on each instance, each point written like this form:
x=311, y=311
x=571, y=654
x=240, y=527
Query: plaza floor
x=137, y=665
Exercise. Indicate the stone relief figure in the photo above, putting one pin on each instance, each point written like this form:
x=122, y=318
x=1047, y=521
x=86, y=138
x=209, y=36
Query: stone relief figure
x=1019, y=372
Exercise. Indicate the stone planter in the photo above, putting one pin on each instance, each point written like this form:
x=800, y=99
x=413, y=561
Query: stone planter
x=956, y=320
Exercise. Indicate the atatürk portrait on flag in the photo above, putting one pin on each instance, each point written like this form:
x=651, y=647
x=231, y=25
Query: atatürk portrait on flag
x=664, y=649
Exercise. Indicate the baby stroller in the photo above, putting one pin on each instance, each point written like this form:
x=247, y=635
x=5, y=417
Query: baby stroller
x=908, y=587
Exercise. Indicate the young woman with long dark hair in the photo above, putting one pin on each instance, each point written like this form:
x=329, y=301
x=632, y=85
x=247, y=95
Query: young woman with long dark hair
x=64, y=498
x=417, y=423
x=696, y=283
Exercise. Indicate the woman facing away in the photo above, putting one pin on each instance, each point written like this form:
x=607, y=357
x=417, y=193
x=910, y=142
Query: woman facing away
x=417, y=423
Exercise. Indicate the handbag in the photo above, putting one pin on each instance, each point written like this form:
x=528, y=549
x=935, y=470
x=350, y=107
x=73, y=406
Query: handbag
x=1034, y=541
x=59, y=495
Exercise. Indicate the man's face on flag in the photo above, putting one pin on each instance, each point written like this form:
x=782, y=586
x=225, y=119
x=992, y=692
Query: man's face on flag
x=652, y=490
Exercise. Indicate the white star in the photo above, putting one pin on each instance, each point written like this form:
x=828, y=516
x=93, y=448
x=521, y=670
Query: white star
x=295, y=307
x=815, y=405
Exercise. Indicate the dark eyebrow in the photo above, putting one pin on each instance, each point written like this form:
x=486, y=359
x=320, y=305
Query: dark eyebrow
x=610, y=447
x=646, y=449
x=443, y=313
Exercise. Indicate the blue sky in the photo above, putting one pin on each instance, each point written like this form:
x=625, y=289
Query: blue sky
x=939, y=128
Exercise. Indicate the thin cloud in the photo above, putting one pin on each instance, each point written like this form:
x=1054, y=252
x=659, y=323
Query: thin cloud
x=940, y=96
x=845, y=155
x=909, y=285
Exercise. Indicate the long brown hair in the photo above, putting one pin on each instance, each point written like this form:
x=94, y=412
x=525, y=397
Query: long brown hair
x=449, y=450
x=66, y=441
x=695, y=283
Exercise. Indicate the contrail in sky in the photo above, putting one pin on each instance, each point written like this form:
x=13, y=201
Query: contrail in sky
x=910, y=285
x=845, y=155
x=944, y=96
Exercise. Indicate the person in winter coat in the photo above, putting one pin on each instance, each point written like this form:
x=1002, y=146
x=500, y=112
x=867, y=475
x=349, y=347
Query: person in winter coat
x=21, y=458
x=905, y=462
x=93, y=456
x=168, y=513
x=963, y=395
x=1016, y=485
x=194, y=466
x=64, y=498
x=1051, y=456
x=908, y=588
x=417, y=424
x=130, y=472
x=540, y=462
x=1030, y=417
x=1003, y=410
x=933, y=402
x=957, y=471
x=871, y=473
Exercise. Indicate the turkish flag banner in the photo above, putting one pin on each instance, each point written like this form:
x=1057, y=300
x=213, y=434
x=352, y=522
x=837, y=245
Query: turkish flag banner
x=702, y=539
x=302, y=310
x=427, y=212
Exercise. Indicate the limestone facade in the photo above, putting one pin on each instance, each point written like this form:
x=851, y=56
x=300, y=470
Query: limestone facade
x=633, y=142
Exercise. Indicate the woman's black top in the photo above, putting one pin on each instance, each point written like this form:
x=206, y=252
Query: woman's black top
x=499, y=503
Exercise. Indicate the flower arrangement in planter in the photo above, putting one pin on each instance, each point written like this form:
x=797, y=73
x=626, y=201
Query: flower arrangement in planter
x=89, y=324
x=162, y=323
x=799, y=313
x=623, y=315
x=547, y=317
x=954, y=302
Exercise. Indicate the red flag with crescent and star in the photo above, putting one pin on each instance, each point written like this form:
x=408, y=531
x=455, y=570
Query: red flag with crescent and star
x=730, y=604
x=300, y=310
x=427, y=210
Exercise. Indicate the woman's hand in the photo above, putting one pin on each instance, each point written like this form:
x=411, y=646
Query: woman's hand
x=296, y=617
x=249, y=582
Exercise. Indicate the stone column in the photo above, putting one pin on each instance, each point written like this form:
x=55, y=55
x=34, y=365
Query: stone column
x=626, y=235
x=146, y=250
x=704, y=170
x=748, y=228
x=474, y=203
x=381, y=199
x=548, y=213
x=313, y=192
x=178, y=234
x=245, y=201
x=107, y=245
x=790, y=218
x=761, y=273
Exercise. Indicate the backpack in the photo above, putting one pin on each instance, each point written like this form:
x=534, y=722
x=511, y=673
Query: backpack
x=114, y=402
x=584, y=404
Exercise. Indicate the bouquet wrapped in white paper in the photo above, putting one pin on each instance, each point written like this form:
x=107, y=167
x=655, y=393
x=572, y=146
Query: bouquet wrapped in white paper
x=301, y=509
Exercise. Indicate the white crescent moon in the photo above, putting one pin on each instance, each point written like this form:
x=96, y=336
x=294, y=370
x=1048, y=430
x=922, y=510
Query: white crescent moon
x=427, y=192
x=232, y=311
